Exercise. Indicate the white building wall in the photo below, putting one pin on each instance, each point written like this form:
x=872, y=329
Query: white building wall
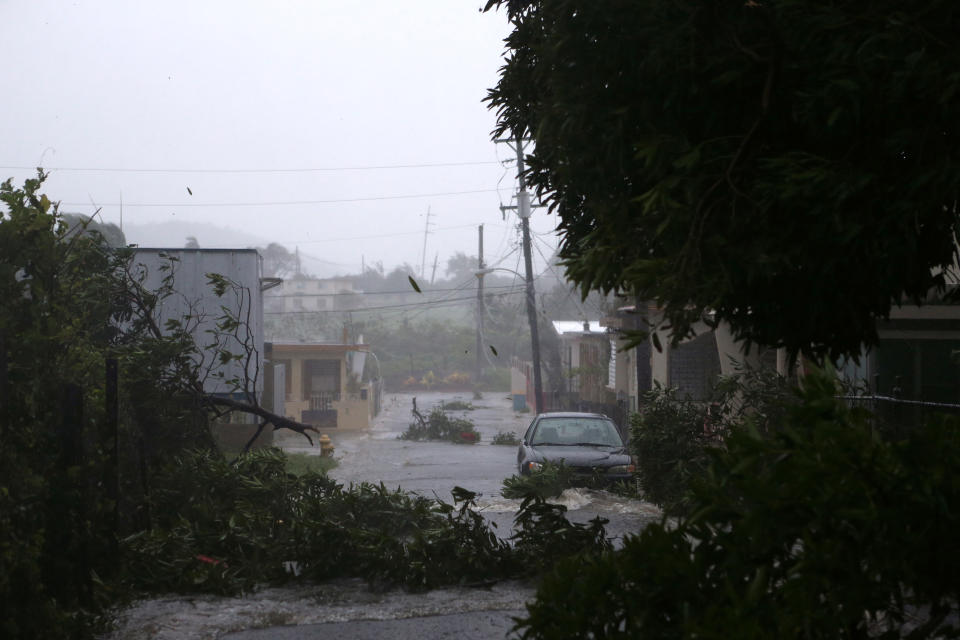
x=194, y=296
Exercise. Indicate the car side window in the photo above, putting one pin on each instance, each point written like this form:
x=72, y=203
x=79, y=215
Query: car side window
x=529, y=433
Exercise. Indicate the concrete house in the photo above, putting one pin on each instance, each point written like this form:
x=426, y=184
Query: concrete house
x=300, y=294
x=692, y=367
x=324, y=386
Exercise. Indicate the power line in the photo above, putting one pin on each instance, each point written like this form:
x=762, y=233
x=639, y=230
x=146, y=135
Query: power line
x=380, y=235
x=425, y=303
x=423, y=165
x=373, y=293
x=446, y=297
x=280, y=203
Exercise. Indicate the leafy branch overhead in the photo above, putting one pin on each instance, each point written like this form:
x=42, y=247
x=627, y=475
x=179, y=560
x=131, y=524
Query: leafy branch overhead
x=790, y=168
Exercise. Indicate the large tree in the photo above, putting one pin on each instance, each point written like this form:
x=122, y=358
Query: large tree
x=790, y=167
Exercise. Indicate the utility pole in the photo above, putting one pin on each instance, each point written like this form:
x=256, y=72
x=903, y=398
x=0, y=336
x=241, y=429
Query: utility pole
x=426, y=231
x=523, y=210
x=433, y=275
x=479, y=348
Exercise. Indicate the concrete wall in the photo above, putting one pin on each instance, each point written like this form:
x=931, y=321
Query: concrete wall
x=194, y=296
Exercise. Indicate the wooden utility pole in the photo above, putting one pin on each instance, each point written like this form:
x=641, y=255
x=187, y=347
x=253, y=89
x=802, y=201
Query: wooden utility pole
x=479, y=347
x=523, y=211
x=423, y=257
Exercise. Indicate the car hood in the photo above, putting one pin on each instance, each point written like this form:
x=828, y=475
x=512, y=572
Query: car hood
x=581, y=456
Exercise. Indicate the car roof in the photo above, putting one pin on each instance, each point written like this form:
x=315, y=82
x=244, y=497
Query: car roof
x=571, y=414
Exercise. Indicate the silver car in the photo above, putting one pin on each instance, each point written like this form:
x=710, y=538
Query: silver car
x=589, y=443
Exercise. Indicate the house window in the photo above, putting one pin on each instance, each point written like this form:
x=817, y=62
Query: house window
x=321, y=382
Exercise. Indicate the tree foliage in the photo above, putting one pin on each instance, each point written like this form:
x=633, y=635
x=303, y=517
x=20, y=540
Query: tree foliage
x=791, y=166
x=71, y=302
x=820, y=529
x=671, y=436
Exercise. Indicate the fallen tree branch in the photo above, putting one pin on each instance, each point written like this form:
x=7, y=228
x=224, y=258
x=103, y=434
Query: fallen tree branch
x=278, y=422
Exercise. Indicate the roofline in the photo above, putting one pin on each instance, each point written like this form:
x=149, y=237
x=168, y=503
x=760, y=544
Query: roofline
x=195, y=249
x=317, y=347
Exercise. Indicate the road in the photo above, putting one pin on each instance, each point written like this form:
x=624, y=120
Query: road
x=434, y=468
x=346, y=608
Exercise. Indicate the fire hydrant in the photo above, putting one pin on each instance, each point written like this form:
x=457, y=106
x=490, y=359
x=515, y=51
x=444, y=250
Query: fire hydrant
x=326, y=446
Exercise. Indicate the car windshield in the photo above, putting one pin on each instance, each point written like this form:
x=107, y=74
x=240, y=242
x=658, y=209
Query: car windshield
x=577, y=431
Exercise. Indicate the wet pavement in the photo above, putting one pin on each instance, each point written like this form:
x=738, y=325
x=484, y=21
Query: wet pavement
x=338, y=608
x=346, y=608
x=432, y=469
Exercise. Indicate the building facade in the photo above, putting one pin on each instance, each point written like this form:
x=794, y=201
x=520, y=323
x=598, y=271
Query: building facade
x=324, y=386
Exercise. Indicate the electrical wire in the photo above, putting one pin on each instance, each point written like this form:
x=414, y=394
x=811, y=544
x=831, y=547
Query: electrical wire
x=433, y=303
x=571, y=290
x=280, y=203
x=462, y=286
x=423, y=165
x=372, y=237
x=370, y=293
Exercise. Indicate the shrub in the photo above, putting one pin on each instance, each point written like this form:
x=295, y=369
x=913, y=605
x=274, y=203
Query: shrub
x=301, y=463
x=506, y=438
x=439, y=426
x=819, y=529
x=670, y=436
x=228, y=527
x=548, y=482
x=543, y=535
x=669, y=440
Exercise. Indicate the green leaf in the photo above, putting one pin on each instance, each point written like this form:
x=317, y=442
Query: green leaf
x=494, y=350
x=413, y=283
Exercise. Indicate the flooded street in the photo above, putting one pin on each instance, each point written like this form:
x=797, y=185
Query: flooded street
x=431, y=467
x=434, y=468
x=427, y=468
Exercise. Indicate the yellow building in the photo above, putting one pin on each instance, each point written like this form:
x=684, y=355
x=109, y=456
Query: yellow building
x=324, y=384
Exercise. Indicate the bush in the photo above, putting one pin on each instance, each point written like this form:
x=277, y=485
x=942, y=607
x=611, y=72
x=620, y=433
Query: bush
x=671, y=436
x=549, y=482
x=301, y=463
x=818, y=530
x=669, y=440
x=225, y=527
x=439, y=426
x=506, y=438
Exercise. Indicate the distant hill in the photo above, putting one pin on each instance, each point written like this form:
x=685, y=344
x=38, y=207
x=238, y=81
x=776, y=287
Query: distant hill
x=175, y=233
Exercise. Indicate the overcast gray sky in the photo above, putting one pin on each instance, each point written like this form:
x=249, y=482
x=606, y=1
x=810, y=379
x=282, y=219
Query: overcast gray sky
x=175, y=93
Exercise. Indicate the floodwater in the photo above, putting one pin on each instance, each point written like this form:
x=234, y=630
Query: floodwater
x=435, y=468
x=431, y=469
x=206, y=616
